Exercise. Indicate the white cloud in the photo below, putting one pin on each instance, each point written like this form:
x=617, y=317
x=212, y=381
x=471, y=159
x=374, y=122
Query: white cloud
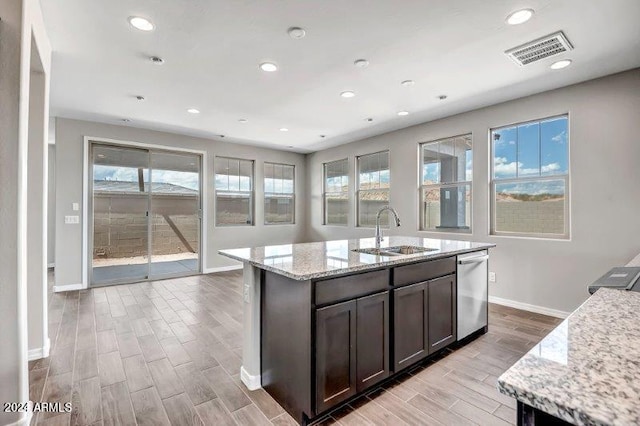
x=560, y=137
x=502, y=168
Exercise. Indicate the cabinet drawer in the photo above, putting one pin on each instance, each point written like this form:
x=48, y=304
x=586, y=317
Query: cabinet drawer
x=351, y=286
x=423, y=271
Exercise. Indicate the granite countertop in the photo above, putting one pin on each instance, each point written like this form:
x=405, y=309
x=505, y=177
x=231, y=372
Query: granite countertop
x=324, y=259
x=587, y=370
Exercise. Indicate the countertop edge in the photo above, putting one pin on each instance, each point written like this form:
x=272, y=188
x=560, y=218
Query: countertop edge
x=360, y=268
x=546, y=405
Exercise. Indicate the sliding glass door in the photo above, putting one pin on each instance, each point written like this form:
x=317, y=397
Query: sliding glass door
x=175, y=214
x=146, y=214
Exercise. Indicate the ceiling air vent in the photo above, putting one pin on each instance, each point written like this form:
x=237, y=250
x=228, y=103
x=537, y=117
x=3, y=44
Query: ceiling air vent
x=545, y=47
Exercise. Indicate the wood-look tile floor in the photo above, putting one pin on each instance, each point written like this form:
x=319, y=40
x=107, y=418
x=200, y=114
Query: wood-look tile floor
x=169, y=352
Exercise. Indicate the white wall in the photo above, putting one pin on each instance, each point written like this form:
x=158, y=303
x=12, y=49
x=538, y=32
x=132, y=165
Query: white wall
x=21, y=20
x=69, y=177
x=37, y=193
x=51, y=206
x=605, y=193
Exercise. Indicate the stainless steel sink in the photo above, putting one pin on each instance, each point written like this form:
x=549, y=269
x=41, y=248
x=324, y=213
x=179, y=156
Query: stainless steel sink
x=394, y=251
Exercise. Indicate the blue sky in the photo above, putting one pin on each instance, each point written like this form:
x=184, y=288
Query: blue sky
x=534, y=149
x=130, y=174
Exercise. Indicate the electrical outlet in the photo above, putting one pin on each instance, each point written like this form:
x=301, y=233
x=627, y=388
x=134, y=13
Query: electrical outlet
x=71, y=220
x=492, y=277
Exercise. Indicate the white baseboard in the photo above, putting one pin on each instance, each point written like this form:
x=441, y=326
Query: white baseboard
x=527, y=307
x=68, y=287
x=222, y=269
x=251, y=382
x=39, y=353
x=25, y=420
x=51, y=265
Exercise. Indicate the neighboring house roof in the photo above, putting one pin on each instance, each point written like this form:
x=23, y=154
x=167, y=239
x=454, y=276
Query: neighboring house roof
x=116, y=186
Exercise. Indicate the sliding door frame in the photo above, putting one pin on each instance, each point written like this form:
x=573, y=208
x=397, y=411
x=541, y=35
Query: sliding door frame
x=87, y=204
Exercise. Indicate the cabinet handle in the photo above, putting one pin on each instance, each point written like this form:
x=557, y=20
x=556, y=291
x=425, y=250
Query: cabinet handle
x=477, y=259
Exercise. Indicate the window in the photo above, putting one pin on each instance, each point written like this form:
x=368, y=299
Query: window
x=447, y=172
x=336, y=192
x=530, y=179
x=279, y=193
x=373, y=187
x=234, y=191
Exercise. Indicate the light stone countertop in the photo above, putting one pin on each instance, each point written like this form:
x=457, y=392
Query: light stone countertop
x=587, y=370
x=327, y=258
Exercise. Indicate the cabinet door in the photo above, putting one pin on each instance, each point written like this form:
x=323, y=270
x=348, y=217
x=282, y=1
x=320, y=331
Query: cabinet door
x=442, y=312
x=372, y=335
x=411, y=333
x=335, y=354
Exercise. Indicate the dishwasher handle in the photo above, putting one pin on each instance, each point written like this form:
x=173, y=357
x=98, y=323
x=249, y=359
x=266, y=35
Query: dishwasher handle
x=476, y=259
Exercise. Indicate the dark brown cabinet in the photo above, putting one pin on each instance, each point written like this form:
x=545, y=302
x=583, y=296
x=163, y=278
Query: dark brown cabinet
x=352, y=348
x=424, y=319
x=372, y=336
x=410, y=325
x=325, y=341
x=442, y=313
x=335, y=354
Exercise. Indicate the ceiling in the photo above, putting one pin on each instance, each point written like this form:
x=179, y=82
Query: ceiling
x=212, y=51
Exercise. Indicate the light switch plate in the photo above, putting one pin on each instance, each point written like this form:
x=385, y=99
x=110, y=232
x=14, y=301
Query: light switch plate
x=75, y=207
x=492, y=277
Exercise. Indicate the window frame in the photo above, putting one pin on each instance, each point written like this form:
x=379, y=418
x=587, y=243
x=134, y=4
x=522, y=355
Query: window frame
x=422, y=187
x=383, y=224
x=325, y=192
x=566, y=235
x=271, y=195
x=251, y=193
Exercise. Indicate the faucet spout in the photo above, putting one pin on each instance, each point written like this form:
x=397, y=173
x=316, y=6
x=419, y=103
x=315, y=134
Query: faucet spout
x=378, y=235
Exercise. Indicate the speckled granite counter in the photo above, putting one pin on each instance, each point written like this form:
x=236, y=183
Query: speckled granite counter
x=587, y=370
x=324, y=259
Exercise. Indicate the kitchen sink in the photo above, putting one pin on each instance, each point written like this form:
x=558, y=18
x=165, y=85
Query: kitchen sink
x=394, y=251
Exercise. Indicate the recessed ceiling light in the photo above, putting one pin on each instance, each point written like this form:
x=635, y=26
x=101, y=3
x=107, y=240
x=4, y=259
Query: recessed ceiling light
x=361, y=63
x=519, y=16
x=408, y=83
x=442, y=97
x=347, y=94
x=296, y=32
x=268, y=67
x=192, y=164
x=221, y=136
x=560, y=64
x=193, y=111
x=100, y=155
x=323, y=136
x=284, y=129
x=243, y=120
x=157, y=60
x=140, y=98
x=143, y=24
x=403, y=113
x=369, y=119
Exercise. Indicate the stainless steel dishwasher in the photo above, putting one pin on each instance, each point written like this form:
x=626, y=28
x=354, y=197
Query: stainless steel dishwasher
x=472, y=292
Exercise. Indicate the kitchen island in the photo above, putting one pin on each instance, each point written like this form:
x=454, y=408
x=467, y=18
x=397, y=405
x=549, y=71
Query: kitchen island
x=586, y=371
x=325, y=321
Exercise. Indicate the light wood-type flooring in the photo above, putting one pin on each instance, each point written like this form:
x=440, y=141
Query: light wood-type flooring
x=169, y=352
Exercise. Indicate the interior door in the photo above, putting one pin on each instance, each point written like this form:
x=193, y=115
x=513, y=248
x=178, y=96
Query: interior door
x=175, y=214
x=119, y=201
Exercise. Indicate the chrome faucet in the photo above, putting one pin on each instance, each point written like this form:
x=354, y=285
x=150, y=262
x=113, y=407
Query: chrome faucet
x=378, y=230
